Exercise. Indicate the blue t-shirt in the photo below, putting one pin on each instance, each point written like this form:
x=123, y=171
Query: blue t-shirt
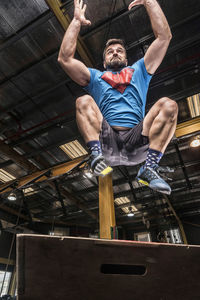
x=121, y=96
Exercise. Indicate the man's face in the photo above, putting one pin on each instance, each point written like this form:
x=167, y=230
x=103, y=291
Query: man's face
x=115, y=57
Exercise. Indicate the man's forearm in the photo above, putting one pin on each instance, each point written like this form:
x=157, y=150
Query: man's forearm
x=158, y=20
x=68, y=46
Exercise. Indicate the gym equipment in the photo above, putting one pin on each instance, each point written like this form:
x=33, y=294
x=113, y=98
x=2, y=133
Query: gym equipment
x=50, y=267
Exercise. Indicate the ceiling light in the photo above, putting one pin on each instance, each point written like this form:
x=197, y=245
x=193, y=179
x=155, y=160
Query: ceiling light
x=29, y=191
x=195, y=142
x=87, y=174
x=5, y=176
x=73, y=149
x=131, y=213
x=124, y=200
x=12, y=197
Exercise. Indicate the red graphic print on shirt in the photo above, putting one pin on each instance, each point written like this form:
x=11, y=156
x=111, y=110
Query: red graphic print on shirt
x=119, y=81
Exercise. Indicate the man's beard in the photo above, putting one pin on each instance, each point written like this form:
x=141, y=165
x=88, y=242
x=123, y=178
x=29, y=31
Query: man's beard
x=115, y=64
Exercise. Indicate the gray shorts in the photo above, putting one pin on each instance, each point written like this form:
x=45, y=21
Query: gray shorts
x=123, y=147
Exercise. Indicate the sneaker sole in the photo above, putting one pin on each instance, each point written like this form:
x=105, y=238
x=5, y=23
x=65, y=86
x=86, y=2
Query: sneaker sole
x=106, y=171
x=147, y=184
x=142, y=181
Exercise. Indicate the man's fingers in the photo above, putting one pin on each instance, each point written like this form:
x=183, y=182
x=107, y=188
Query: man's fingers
x=81, y=4
x=84, y=7
x=134, y=3
x=76, y=2
x=88, y=22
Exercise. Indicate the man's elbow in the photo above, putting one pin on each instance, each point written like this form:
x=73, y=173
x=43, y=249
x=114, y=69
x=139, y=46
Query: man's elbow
x=169, y=35
x=63, y=58
x=60, y=59
x=166, y=37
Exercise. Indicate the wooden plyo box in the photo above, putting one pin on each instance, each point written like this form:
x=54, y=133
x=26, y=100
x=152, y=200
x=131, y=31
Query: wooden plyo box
x=91, y=269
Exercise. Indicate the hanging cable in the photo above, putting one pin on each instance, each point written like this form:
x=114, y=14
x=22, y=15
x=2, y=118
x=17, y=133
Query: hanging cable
x=111, y=13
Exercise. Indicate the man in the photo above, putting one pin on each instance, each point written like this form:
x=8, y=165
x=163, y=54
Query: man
x=112, y=121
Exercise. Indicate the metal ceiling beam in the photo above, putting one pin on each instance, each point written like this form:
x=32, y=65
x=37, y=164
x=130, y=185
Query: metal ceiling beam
x=78, y=203
x=6, y=163
x=54, y=172
x=29, y=27
x=6, y=261
x=174, y=48
x=39, y=132
x=16, y=157
x=182, y=129
x=126, y=175
x=145, y=195
x=64, y=20
x=177, y=74
x=11, y=215
x=188, y=127
x=147, y=199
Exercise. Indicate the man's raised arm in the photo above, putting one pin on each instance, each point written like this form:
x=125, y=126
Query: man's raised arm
x=157, y=50
x=73, y=67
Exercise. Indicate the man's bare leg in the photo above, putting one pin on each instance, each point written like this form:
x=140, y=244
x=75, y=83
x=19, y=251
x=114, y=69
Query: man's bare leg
x=88, y=117
x=89, y=120
x=159, y=125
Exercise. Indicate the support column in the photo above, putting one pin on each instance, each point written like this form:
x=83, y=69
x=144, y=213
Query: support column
x=178, y=220
x=106, y=208
x=12, y=286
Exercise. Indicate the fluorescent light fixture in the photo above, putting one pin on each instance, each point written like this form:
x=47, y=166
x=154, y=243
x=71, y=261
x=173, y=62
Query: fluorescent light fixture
x=73, y=149
x=29, y=191
x=194, y=105
x=195, y=142
x=126, y=209
x=124, y=200
x=5, y=176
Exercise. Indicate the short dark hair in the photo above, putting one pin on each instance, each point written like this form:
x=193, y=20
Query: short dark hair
x=112, y=42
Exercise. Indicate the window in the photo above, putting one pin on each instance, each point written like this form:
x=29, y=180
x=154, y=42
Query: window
x=5, y=282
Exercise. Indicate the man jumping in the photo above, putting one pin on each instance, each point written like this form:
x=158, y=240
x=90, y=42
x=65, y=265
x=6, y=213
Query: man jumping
x=112, y=120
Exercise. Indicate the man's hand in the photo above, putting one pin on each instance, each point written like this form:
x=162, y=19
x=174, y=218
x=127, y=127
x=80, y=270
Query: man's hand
x=79, y=12
x=136, y=2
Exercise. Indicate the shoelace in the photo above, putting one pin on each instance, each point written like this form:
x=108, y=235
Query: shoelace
x=150, y=174
x=100, y=166
x=162, y=170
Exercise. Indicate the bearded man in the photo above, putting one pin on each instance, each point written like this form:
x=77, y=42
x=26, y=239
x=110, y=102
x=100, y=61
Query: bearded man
x=112, y=118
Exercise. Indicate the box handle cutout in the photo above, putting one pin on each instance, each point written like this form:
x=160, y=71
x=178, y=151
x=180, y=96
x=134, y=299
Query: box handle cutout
x=123, y=269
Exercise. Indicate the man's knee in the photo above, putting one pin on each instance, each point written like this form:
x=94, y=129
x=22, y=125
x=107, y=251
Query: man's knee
x=84, y=102
x=168, y=106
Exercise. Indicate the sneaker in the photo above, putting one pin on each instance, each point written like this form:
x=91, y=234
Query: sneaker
x=150, y=176
x=99, y=166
